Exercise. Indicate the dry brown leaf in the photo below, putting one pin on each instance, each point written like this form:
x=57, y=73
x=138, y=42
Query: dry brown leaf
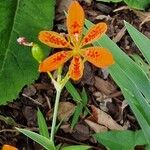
x=29, y=90
x=96, y=127
x=104, y=86
x=104, y=119
x=119, y=35
x=81, y=132
x=65, y=110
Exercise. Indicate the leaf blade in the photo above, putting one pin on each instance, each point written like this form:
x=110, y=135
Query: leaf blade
x=43, y=129
x=45, y=142
x=24, y=19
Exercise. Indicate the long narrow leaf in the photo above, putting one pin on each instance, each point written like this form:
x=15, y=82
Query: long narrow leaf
x=74, y=93
x=43, y=129
x=129, y=76
x=45, y=142
x=127, y=64
x=140, y=40
x=76, y=114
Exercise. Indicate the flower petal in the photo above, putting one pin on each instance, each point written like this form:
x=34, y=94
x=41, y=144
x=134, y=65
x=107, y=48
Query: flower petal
x=53, y=39
x=98, y=56
x=9, y=147
x=76, y=68
x=95, y=32
x=54, y=61
x=75, y=21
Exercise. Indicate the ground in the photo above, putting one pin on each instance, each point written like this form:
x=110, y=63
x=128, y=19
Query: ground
x=98, y=84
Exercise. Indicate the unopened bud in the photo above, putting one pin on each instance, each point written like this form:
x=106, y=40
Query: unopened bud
x=24, y=41
x=37, y=53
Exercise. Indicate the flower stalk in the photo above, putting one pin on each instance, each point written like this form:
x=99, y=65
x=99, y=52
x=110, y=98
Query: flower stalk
x=58, y=92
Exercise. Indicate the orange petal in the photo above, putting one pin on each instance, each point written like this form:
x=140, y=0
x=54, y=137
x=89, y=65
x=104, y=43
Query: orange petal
x=76, y=68
x=95, y=32
x=56, y=60
x=53, y=39
x=75, y=21
x=8, y=147
x=98, y=56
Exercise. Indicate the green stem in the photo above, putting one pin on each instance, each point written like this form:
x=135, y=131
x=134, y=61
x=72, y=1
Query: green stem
x=58, y=92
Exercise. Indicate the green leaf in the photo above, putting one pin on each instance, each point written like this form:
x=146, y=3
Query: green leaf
x=123, y=140
x=45, y=142
x=129, y=76
x=84, y=97
x=17, y=66
x=74, y=93
x=142, y=42
x=140, y=62
x=77, y=147
x=138, y=113
x=127, y=65
x=76, y=114
x=43, y=129
x=138, y=4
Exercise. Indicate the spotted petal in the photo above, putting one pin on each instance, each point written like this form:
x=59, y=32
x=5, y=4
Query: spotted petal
x=76, y=68
x=75, y=21
x=95, y=32
x=53, y=39
x=100, y=57
x=8, y=147
x=54, y=61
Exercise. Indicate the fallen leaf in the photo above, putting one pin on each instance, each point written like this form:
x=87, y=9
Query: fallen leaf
x=30, y=115
x=104, y=119
x=65, y=110
x=104, y=86
x=119, y=35
x=29, y=90
x=143, y=16
x=96, y=127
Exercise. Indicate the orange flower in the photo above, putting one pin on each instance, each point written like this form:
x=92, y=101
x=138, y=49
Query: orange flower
x=98, y=56
x=8, y=147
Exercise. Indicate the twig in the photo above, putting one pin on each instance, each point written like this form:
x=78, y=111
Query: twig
x=121, y=8
x=48, y=102
x=33, y=100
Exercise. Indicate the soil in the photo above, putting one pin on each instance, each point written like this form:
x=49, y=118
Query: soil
x=97, y=82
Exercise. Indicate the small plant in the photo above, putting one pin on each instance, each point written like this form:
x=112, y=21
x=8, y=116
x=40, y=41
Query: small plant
x=76, y=47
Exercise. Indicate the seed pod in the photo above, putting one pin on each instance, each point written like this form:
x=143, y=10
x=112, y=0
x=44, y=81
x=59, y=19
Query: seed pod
x=37, y=53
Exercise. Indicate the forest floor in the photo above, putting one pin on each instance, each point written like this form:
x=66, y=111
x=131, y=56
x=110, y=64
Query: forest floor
x=102, y=91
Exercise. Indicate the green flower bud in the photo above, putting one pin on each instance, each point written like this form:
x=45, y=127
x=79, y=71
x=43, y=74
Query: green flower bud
x=37, y=53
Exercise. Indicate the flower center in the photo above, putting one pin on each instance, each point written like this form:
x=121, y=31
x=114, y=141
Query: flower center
x=76, y=51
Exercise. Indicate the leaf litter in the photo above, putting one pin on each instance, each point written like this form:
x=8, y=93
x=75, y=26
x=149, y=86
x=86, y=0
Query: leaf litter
x=114, y=114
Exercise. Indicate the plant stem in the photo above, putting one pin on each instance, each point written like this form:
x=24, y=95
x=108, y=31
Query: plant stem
x=58, y=92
